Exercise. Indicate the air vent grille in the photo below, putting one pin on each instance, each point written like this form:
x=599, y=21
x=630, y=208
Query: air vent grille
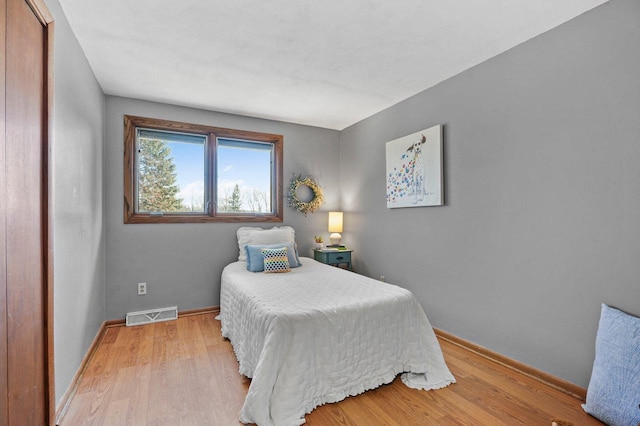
x=152, y=315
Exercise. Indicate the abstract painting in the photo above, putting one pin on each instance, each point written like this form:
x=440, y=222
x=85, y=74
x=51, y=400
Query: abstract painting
x=414, y=169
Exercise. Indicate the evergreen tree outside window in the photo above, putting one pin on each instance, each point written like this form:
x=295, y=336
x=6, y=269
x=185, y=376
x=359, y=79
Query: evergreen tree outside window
x=158, y=188
x=178, y=172
x=235, y=204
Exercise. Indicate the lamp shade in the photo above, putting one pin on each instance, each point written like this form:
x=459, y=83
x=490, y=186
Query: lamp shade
x=335, y=221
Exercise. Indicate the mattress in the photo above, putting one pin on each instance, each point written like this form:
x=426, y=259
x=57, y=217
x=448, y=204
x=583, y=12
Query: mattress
x=319, y=334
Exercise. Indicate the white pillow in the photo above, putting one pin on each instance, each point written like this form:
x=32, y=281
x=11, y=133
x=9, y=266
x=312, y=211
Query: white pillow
x=275, y=235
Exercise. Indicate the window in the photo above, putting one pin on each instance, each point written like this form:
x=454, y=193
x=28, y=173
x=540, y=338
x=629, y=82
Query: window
x=178, y=172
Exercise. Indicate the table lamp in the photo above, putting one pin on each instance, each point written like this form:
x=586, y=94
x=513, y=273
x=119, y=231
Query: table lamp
x=335, y=226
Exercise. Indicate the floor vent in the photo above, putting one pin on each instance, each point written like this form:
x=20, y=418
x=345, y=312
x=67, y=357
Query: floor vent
x=152, y=315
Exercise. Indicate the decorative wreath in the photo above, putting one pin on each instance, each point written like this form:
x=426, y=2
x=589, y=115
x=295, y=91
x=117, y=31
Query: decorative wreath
x=305, y=207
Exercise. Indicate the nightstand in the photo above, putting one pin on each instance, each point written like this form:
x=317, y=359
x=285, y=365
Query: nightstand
x=333, y=257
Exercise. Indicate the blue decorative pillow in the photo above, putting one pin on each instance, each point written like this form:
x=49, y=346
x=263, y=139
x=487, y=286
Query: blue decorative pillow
x=613, y=395
x=255, y=260
x=275, y=260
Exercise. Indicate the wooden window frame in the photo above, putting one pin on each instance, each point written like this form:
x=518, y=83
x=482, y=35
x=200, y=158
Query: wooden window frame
x=131, y=123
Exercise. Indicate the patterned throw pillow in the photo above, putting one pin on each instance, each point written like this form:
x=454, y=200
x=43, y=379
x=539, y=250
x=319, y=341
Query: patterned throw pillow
x=275, y=260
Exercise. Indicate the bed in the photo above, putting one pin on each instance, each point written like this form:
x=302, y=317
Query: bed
x=319, y=334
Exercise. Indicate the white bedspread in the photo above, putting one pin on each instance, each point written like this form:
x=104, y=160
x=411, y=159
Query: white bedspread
x=319, y=334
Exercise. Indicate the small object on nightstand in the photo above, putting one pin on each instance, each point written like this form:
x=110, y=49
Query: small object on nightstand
x=334, y=256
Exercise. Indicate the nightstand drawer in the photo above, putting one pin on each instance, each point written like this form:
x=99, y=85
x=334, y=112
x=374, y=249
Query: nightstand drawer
x=339, y=257
x=333, y=257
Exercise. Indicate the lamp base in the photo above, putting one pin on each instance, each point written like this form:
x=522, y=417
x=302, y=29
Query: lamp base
x=335, y=238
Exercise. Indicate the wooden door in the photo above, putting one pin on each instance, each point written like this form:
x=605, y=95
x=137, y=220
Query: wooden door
x=3, y=262
x=25, y=300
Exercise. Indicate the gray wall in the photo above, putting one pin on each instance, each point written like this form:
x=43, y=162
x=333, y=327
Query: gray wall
x=182, y=263
x=78, y=117
x=542, y=184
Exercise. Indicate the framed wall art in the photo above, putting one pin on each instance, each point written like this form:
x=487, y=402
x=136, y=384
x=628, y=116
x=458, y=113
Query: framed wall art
x=414, y=169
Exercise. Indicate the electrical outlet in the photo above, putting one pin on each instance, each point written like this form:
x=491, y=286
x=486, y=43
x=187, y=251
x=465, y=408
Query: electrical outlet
x=382, y=278
x=142, y=288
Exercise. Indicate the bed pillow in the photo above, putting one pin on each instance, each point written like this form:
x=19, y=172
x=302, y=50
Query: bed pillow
x=613, y=395
x=275, y=260
x=250, y=235
x=255, y=260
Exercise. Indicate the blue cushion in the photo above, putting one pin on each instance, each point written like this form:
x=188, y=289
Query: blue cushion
x=613, y=395
x=255, y=260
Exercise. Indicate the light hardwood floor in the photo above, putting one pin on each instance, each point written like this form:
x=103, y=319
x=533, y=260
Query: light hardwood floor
x=184, y=373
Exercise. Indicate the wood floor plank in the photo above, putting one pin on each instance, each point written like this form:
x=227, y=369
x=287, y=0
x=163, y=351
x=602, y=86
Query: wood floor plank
x=184, y=373
x=139, y=382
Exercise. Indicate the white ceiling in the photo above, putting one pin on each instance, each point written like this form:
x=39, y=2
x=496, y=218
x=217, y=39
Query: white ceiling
x=327, y=63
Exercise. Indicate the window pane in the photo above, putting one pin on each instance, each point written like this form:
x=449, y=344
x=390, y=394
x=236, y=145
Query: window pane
x=190, y=173
x=245, y=174
x=171, y=172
